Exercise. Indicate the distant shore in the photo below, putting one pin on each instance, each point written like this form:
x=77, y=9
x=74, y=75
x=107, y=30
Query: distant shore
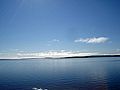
x=92, y=56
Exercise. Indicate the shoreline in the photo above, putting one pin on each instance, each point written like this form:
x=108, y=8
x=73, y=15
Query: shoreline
x=92, y=56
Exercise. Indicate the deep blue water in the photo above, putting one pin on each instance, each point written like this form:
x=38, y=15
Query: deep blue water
x=61, y=74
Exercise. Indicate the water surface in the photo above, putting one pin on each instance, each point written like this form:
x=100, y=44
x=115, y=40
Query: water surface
x=61, y=74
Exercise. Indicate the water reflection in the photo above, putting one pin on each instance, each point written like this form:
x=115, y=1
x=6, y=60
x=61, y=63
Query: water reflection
x=39, y=89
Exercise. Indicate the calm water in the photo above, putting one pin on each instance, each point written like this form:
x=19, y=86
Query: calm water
x=61, y=74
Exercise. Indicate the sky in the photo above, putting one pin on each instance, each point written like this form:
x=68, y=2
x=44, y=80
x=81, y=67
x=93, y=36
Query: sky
x=57, y=25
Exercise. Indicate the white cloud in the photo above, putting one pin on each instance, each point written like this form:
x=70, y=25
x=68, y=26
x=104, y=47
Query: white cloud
x=53, y=42
x=53, y=54
x=56, y=40
x=50, y=54
x=92, y=40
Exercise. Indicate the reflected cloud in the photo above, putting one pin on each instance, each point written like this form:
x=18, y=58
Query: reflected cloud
x=38, y=89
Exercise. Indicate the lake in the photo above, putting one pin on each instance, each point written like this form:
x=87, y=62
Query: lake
x=61, y=74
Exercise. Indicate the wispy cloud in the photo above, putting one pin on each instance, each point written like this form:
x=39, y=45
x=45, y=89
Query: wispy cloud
x=92, y=40
x=55, y=40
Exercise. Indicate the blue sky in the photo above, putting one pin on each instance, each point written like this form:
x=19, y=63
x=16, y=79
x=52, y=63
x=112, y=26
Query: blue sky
x=73, y=25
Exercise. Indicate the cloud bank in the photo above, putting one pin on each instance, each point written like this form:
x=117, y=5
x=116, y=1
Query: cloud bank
x=47, y=54
x=50, y=54
x=92, y=40
x=53, y=54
